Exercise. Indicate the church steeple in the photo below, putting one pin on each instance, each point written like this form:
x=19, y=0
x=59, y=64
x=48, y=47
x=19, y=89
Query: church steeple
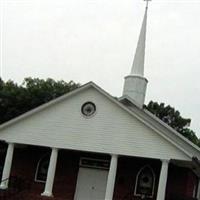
x=135, y=83
x=138, y=62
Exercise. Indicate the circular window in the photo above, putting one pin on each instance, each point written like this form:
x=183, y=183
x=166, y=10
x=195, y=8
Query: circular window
x=88, y=109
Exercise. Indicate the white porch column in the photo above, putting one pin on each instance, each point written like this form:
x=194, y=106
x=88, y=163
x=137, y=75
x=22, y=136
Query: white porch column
x=163, y=180
x=111, y=178
x=198, y=191
x=51, y=173
x=7, y=167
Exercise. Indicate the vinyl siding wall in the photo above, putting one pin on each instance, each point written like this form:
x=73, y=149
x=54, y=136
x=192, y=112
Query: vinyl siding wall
x=111, y=130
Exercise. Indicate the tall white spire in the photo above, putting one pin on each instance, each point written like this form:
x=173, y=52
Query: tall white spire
x=135, y=83
x=138, y=62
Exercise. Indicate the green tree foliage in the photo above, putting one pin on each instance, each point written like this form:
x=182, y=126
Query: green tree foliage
x=173, y=118
x=17, y=99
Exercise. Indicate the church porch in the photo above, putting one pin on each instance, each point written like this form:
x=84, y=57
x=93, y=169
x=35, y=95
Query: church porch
x=26, y=159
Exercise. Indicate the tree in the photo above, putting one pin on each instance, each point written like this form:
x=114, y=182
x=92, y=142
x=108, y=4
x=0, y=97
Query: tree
x=173, y=118
x=17, y=99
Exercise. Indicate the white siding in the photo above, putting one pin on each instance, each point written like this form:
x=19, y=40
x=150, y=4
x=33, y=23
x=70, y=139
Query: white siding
x=111, y=130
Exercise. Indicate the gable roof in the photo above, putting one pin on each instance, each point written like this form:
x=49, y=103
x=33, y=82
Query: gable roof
x=142, y=115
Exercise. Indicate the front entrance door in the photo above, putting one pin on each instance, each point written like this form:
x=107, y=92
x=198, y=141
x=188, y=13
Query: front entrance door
x=91, y=184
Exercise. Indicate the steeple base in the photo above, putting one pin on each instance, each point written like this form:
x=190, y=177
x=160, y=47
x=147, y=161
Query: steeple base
x=135, y=88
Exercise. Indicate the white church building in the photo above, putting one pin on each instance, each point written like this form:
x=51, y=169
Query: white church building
x=88, y=145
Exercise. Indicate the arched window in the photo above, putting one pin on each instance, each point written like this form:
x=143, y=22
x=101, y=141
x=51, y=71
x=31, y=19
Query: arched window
x=42, y=169
x=145, y=182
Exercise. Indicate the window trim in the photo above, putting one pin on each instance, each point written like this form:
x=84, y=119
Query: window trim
x=82, y=109
x=136, y=183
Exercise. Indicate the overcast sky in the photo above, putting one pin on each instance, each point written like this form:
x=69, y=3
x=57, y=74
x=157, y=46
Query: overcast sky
x=95, y=40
